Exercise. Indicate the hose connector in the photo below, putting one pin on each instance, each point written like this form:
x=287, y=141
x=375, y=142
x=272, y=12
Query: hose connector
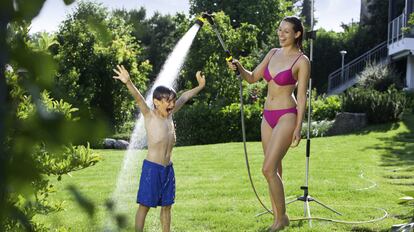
x=200, y=21
x=229, y=57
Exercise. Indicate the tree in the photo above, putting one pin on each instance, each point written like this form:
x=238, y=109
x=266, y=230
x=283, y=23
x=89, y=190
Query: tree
x=156, y=36
x=207, y=55
x=265, y=14
x=37, y=144
x=326, y=58
x=86, y=61
x=306, y=13
x=375, y=27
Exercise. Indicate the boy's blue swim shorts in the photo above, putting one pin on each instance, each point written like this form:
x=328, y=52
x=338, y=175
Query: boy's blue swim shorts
x=156, y=185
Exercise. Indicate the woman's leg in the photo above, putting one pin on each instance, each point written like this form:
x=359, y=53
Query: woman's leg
x=279, y=169
x=266, y=133
x=276, y=149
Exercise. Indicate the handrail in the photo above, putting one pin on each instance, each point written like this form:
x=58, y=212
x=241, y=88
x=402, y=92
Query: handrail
x=395, y=28
x=336, y=79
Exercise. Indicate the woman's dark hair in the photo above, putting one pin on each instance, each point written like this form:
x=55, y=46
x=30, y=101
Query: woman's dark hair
x=297, y=26
x=162, y=92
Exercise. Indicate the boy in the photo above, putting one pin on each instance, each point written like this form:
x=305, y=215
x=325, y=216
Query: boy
x=157, y=183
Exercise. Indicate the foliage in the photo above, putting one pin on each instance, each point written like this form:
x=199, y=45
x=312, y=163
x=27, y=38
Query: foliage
x=326, y=58
x=86, y=61
x=410, y=24
x=206, y=54
x=36, y=130
x=156, y=35
x=325, y=107
x=380, y=107
x=43, y=157
x=318, y=128
x=264, y=14
x=410, y=101
x=377, y=24
x=306, y=13
x=194, y=124
x=411, y=20
x=379, y=77
x=43, y=41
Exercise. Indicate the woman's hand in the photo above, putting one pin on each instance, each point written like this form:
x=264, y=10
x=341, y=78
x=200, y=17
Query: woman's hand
x=123, y=74
x=296, y=137
x=201, y=79
x=233, y=65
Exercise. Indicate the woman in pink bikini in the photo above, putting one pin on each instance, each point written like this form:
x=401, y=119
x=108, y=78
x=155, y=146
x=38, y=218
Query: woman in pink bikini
x=283, y=69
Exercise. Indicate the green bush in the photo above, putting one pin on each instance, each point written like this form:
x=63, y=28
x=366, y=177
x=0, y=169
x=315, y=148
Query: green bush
x=380, y=107
x=318, y=128
x=410, y=101
x=379, y=77
x=203, y=124
x=39, y=139
x=325, y=108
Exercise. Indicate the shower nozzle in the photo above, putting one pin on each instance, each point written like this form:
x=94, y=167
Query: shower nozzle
x=209, y=17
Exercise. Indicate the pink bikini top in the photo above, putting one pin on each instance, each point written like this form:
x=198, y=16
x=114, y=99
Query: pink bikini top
x=284, y=77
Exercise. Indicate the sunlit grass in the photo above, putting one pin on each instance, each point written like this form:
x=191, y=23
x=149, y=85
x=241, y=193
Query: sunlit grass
x=354, y=174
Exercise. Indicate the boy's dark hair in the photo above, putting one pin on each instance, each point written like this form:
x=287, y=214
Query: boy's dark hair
x=162, y=92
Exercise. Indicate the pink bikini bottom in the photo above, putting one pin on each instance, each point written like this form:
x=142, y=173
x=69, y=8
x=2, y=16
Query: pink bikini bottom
x=272, y=116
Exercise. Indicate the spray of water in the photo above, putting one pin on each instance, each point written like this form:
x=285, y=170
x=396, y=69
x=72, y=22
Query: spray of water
x=127, y=181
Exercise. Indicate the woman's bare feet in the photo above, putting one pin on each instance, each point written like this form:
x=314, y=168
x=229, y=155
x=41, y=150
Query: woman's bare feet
x=280, y=225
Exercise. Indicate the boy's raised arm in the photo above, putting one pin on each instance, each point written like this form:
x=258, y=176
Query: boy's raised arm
x=123, y=76
x=187, y=95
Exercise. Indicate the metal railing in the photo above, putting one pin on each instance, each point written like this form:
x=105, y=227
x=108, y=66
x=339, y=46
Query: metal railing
x=339, y=81
x=395, y=28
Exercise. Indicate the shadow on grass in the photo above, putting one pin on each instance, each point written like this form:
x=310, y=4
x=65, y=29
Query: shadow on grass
x=385, y=127
x=399, y=149
x=377, y=128
x=397, y=154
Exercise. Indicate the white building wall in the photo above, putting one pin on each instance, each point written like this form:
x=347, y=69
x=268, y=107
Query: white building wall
x=410, y=72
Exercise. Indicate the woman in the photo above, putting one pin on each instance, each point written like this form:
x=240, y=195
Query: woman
x=283, y=69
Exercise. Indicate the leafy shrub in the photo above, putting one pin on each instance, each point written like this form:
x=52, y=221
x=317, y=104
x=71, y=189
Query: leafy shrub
x=318, y=128
x=410, y=101
x=379, y=77
x=325, y=108
x=38, y=154
x=380, y=107
x=203, y=124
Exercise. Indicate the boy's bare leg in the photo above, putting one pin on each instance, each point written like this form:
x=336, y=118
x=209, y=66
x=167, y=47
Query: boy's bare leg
x=165, y=217
x=140, y=218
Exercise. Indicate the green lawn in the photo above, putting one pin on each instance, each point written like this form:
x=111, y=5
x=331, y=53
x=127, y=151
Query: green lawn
x=355, y=174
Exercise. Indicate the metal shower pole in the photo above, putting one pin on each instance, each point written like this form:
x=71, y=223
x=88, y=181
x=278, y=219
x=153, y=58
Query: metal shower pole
x=306, y=198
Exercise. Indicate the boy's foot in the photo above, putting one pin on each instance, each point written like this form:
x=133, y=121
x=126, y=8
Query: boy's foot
x=280, y=225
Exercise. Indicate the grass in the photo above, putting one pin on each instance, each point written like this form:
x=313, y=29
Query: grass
x=355, y=174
